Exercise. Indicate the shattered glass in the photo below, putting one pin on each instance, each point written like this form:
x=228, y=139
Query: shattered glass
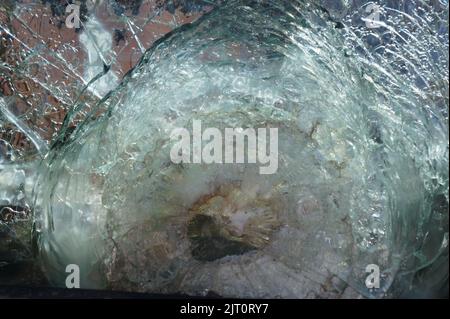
x=361, y=109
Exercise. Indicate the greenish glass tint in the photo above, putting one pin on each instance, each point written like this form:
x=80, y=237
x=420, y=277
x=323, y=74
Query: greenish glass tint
x=362, y=117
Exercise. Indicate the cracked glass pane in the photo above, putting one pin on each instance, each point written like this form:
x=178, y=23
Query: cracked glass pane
x=353, y=95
